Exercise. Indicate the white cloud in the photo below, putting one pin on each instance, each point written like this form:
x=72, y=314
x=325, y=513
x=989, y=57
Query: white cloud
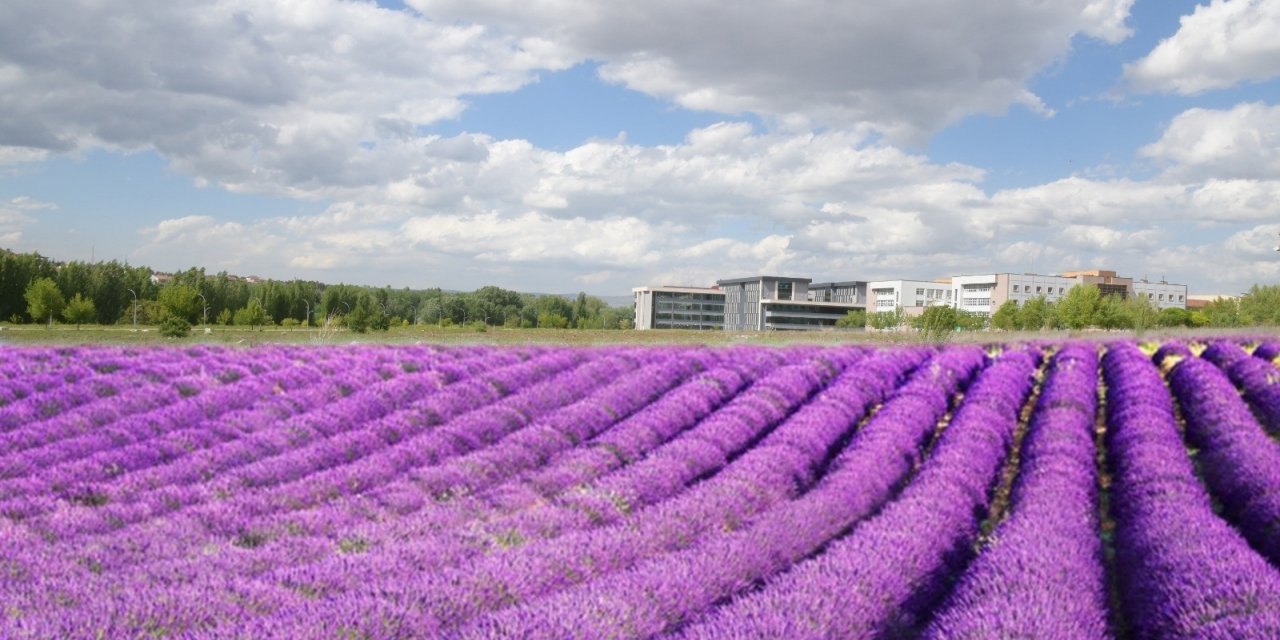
x=16, y=216
x=906, y=68
x=1219, y=45
x=1109, y=239
x=304, y=99
x=1241, y=142
x=728, y=202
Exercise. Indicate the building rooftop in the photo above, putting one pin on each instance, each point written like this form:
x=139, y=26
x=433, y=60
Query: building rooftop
x=756, y=278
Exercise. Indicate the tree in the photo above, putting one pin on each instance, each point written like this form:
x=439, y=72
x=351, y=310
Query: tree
x=44, y=300
x=1173, y=317
x=1143, y=313
x=552, y=320
x=181, y=301
x=79, y=311
x=252, y=315
x=854, y=319
x=225, y=317
x=1006, y=317
x=886, y=319
x=1079, y=308
x=1114, y=313
x=1261, y=306
x=175, y=327
x=937, y=323
x=1036, y=314
x=1222, y=312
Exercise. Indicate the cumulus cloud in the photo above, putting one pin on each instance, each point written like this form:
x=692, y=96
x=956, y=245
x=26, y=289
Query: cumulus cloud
x=1219, y=45
x=730, y=201
x=1241, y=142
x=805, y=63
x=303, y=99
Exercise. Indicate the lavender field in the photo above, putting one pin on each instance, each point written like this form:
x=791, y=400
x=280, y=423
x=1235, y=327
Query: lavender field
x=1042, y=490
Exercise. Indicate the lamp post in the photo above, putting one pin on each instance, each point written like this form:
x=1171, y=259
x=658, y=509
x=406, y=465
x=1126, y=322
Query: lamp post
x=205, y=308
x=306, y=322
x=135, y=308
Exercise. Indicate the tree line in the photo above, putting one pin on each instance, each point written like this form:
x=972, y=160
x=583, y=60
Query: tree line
x=34, y=288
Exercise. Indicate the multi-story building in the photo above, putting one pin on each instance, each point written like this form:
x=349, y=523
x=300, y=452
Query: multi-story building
x=763, y=303
x=1162, y=294
x=912, y=295
x=848, y=292
x=985, y=293
x=679, y=308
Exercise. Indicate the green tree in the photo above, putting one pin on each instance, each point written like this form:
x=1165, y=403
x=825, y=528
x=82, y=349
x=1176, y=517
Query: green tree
x=17, y=271
x=552, y=320
x=1143, y=313
x=1036, y=314
x=175, y=327
x=181, y=301
x=937, y=323
x=44, y=300
x=1006, y=317
x=79, y=311
x=1222, y=312
x=225, y=317
x=1114, y=313
x=1079, y=308
x=886, y=319
x=358, y=319
x=854, y=319
x=1173, y=317
x=252, y=315
x=1260, y=306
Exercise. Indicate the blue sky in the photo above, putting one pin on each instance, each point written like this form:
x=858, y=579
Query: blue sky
x=557, y=146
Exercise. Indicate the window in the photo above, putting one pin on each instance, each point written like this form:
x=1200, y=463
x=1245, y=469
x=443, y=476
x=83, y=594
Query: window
x=784, y=290
x=1038, y=288
x=919, y=292
x=1015, y=288
x=1179, y=297
x=1162, y=297
x=1061, y=290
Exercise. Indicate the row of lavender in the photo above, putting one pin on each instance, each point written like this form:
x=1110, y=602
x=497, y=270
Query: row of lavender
x=550, y=492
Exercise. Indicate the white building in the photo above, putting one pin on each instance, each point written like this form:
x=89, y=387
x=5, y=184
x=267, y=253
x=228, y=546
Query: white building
x=912, y=295
x=1162, y=294
x=985, y=293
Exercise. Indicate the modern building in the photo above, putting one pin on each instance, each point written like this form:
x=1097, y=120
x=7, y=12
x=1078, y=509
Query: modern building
x=985, y=293
x=848, y=292
x=1162, y=294
x=679, y=308
x=760, y=303
x=912, y=295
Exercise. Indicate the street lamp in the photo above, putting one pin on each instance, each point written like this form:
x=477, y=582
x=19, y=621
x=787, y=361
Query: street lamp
x=306, y=322
x=135, y=308
x=205, y=309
